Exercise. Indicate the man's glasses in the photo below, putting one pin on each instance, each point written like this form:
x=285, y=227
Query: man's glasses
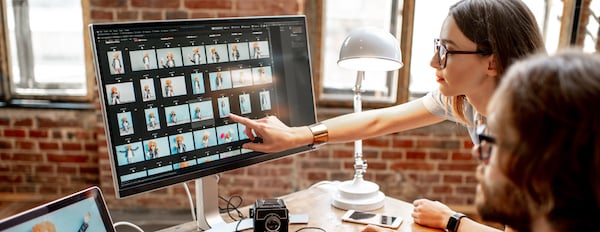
x=442, y=52
x=485, y=145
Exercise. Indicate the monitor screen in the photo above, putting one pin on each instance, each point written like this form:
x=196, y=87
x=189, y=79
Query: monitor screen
x=167, y=87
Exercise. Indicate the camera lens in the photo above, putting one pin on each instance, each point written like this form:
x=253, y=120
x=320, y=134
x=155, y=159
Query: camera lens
x=272, y=223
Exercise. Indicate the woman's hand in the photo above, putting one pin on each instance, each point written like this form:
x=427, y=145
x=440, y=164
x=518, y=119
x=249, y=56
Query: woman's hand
x=431, y=213
x=275, y=135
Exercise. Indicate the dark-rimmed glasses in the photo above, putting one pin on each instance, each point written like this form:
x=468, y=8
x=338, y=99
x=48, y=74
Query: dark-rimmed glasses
x=442, y=52
x=485, y=145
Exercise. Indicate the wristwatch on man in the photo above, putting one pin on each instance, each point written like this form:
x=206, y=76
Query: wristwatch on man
x=454, y=221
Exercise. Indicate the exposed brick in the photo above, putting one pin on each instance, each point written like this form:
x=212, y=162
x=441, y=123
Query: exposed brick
x=152, y=15
x=438, y=156
x=24, y=122
x=413, y=155
x=462, y=156
x=17, y=133
x=108, y=3
x=38, y=133
x=453, y=178
x=442, y=189
x=6, y=144
x=127, y=15
x=457, y=167
x=25, y=145
x=177, y=15
x=45, y=168
x=412, y=166
x=72, y=146
x=208, y=4
x=159, y=4
x=101, y=15
x=403, y=143
x=4, y=121
x=45, y=146
x=62, y=158
x=51, y=123
x=392, y=155
x=27, y=157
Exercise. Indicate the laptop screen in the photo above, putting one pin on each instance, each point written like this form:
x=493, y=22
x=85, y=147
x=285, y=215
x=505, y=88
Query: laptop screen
x=81, y=211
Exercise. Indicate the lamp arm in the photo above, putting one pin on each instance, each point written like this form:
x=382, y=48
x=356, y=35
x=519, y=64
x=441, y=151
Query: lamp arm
x=360, y=165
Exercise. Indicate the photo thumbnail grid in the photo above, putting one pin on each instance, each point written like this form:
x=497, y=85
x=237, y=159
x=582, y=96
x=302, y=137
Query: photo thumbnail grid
x=198, y=96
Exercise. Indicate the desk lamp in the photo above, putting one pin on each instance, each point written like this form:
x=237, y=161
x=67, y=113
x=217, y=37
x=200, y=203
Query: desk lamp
x=365, y=49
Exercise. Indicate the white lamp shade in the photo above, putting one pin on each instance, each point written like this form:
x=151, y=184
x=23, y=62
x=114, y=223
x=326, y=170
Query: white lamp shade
x=370, y=49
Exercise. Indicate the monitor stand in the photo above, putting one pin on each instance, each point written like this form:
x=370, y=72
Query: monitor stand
x=207, y=208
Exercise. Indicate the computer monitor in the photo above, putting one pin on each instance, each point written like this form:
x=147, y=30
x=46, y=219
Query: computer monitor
x=166, y=89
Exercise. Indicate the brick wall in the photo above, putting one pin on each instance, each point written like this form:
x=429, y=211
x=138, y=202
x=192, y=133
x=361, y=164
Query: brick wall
x=48, y=153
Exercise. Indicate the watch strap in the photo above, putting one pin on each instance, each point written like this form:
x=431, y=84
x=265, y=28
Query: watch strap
x=454, y=221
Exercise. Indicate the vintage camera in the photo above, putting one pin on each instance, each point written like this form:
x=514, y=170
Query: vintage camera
x=270, y=215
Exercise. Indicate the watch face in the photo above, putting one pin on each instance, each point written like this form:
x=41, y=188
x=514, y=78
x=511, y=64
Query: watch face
x=454, y=221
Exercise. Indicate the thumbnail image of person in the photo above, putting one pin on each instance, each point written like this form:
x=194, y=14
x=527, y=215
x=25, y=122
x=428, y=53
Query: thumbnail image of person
x=148, y=92
x=169, y=88
x=129, y=153
x=178, y=114
x=260, y=49
x=169, y=57
x=242, y=77
x=217, y=53
x=198, y=83
x=214, y=55
x=152, y=121
x=220, y=80
x=262, y=75
x=120, y=93
x=181, y=143
x=201, y=110
x=44, y=226
x=265, y=100
x=116, y=62
x=245, y=106
x=238, y=51
x=115, y=96
x=255, y=50
x=169, y=62
x=156, y=148
x=235, y=53
x=205, y=138
x=223, y=107
x=173, y=86
x=143, y=60
x=227, y=134
x=194, y=55
x=125, y=123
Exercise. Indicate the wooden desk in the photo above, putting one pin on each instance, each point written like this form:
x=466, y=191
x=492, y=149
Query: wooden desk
x=316, y=203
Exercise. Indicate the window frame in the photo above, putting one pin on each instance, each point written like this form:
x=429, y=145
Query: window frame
x=8, y=92
x=316, y=12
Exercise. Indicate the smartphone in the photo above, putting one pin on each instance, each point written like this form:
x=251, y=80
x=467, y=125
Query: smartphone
x=372, y=219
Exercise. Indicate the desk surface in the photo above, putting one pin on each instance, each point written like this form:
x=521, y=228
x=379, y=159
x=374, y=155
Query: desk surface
x=316, y=203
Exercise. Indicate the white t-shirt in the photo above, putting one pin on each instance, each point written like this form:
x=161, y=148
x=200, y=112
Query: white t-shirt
x=434, y=101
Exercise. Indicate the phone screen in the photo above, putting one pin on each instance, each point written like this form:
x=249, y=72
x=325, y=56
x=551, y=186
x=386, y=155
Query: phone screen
x=372, y=218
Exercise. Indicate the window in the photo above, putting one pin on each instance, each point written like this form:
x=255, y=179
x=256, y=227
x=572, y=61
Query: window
x=340, y=18
x=43, y=56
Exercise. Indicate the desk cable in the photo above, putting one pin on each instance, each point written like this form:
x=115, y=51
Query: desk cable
x=124, y=223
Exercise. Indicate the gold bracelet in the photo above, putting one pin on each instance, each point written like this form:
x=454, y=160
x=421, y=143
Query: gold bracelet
x=320, y=134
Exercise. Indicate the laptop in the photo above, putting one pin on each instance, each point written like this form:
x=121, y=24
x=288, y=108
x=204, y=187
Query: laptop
x=81, y=211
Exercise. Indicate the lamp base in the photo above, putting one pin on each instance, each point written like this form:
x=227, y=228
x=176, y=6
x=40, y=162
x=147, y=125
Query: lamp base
x=358, y=194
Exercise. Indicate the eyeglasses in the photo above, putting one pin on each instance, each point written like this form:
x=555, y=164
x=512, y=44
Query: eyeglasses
x=485, y=144
x=442, y=52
